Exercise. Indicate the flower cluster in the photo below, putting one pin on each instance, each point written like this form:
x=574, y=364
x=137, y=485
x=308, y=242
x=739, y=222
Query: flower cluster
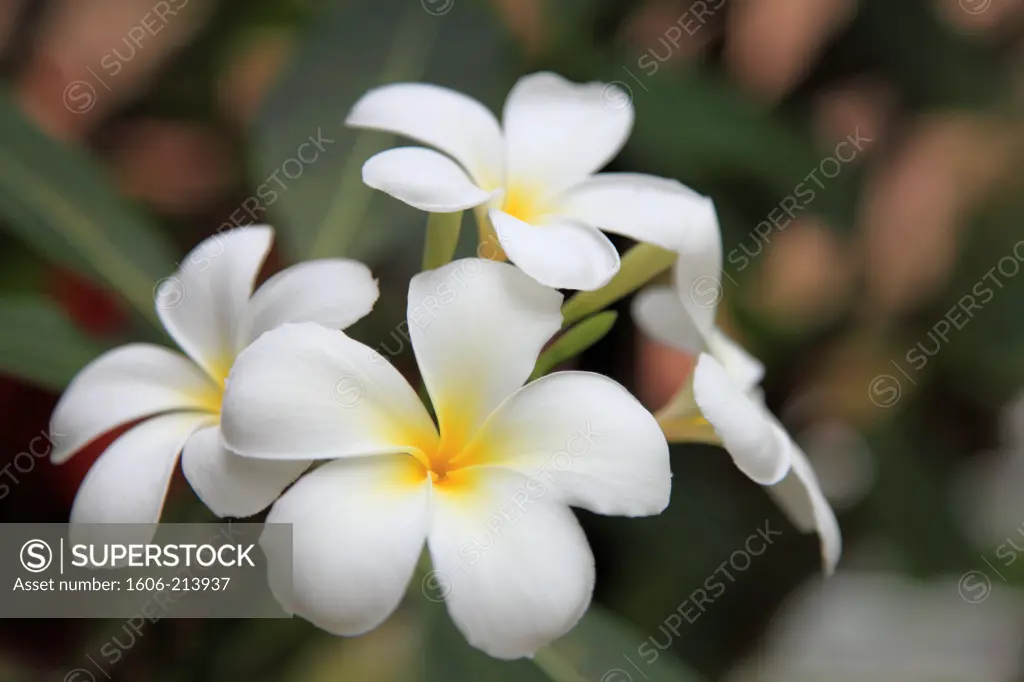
x=273, y=404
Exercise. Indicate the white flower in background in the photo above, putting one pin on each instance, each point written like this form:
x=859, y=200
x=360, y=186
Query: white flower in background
x=488, y=490
x=534, y=175
x=721, y=402
x=209, y=308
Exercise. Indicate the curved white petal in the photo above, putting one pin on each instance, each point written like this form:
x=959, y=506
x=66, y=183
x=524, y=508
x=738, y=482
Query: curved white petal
x=660, y=314
x=122, y=385
x=423, y=179
x=698, y=275
x=742, y=367
x=358, y=529
x=746, y=428
x=799, y=495
x=128, y=483
x=477, y=327
x=232, y=485
x=587, y=439
x=302, y=391
x=558, y=254
x=456, y=124
x=647, y=208
x=558, y=132
x=514, y=579
x=202, y=303
x=333, y=292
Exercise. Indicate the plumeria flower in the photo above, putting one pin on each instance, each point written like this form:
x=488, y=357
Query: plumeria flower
x=721, y=403
x=208, y=307
x=488, y=489
x=533, y=178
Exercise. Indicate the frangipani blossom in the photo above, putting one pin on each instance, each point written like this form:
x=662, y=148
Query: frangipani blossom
x=208, y=307
x=488, y=489
x=533, y=176
x=721, y=403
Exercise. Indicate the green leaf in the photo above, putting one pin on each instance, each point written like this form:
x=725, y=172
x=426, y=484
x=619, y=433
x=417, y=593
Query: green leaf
x=442, y=239
x=40, y=344
x=574, y=342
x=640, y=265
x=326, y=210
x=603, y=648
x=58, y=200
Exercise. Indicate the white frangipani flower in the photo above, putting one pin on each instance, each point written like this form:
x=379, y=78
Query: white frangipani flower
x=534, y=176
x=209, y=308
x=721, y=403
x=488, y=489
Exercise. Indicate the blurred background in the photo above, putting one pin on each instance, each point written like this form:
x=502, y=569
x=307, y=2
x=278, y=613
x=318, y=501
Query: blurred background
x=865, y=159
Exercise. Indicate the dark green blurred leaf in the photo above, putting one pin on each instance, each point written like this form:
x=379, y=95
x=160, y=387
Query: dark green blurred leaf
x=39, y=343
x=58, y=200
x=574, y=342
x=327, y=210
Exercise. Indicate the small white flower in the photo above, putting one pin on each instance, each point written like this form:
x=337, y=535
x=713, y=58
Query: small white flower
x=535, y=174
x=488, y=490
x=721, y=403
x=209, y=309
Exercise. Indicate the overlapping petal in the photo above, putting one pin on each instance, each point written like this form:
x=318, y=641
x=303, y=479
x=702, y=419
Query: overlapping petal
x=514, y=591
x=305, y=392
x=559, y=132
x=424, y=179
x=232, y=485
x=202, y=304
x=358, y=529
x=333, y=292
x=584, y=437
x=456, y=124
x=559, y=254
x=477, y=327
x=122, y=385
x=128, y=483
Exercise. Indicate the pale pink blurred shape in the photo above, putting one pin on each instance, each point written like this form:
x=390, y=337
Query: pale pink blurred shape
x=251, y=71
x=180, y=168
x=863, y=105
x=914, y=206
x=771, y=45
x=92, y=57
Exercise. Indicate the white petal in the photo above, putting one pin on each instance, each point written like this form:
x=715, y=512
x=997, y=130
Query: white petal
x=698, y=278
x=558, y=132
x=515, y=579
x=202, y=303
x=358, y=529
x=456, y=124
x=423, y=179
x=558, y=254
x=129, y=481
x=646, y=208
x=746, y=428
x=660, y=314
x=586, y=437
x=122, y=385
x=302, y=391
x=232, y=485
x=799, y=495
x=742, y=367
x=333, y=292
x=477, y=327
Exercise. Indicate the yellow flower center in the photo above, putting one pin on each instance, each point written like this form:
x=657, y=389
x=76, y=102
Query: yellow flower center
x=525, y=203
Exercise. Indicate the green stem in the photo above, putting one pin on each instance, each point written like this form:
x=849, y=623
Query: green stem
x=442, y=238
x=554, y=666
x=640, y=265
